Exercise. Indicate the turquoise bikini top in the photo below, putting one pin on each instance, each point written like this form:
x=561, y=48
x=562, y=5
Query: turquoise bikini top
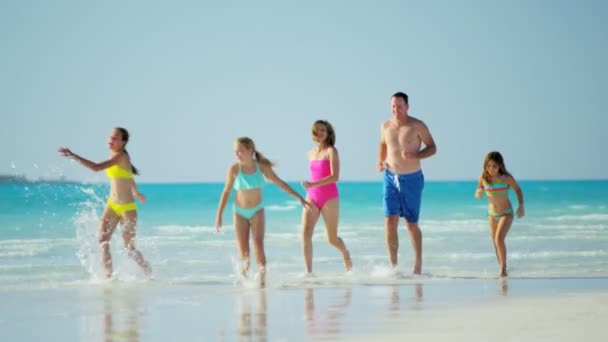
x=251, y=181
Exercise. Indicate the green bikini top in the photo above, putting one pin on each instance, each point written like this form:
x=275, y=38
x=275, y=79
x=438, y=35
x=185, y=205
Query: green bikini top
x=251, y=181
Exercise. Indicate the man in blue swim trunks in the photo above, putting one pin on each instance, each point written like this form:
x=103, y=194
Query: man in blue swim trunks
x=401, y=139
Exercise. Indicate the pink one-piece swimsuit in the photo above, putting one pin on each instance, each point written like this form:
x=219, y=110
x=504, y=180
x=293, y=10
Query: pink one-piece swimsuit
x=319, y=195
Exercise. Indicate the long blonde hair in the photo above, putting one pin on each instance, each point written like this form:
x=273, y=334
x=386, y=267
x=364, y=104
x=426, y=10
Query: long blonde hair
x=248, y=143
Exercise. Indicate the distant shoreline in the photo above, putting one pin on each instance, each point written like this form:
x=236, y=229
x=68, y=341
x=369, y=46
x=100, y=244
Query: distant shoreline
x=18, y=179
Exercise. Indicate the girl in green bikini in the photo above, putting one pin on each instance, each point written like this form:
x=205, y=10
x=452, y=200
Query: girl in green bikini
x=496, y=181
x=247, y=176
x=121, y=205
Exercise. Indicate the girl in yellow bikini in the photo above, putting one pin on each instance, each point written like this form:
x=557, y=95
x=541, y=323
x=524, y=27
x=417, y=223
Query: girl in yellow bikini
x=121, y=205
x=496, y=181
x=247, y=176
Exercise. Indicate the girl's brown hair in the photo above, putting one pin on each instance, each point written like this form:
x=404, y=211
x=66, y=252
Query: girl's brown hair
x=496, y=157
x=331, y=134
x=125, y=137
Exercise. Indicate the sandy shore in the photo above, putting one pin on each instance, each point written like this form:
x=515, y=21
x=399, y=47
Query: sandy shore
x=555, y=318
x=469, y=310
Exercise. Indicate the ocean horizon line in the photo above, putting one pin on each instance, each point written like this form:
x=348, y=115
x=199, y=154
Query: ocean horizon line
x=348, y=181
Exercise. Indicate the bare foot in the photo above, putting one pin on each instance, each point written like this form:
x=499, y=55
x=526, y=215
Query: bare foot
x=503, y=272
x=348, y=263
x=245, y=268
x=395, y=273
x=147, y=270
x=261, y=276
x=417, y=270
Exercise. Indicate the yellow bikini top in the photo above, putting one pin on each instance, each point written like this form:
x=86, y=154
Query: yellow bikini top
x=116, y=171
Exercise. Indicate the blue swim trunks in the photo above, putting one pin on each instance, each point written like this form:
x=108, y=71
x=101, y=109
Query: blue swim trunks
x=403, y=195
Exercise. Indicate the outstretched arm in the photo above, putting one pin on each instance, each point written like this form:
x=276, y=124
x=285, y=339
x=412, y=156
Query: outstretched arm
x=89, y=164
x=272, y=176
x=230, y=175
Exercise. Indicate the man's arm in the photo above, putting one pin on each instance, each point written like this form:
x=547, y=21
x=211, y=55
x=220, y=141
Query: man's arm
x=429, y=143
x=381, y=150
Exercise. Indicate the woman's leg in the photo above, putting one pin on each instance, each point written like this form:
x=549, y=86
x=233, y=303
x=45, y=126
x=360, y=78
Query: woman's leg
x=330, y=212
x=310, y=215
x=107, y=224
x=129, y=224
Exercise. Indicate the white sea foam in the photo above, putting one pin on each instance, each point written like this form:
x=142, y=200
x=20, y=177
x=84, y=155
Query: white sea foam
x=281, y=207
x=31, y=247
x=602, y=217
x=578, y=207
x=589, y=235
x=180, y=229
x=558, y=254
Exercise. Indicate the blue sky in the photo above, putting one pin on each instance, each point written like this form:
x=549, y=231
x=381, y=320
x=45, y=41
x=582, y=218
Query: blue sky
x=527, y=78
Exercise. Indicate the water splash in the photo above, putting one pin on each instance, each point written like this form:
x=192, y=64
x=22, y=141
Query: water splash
x=86, y=221
x=251, y=280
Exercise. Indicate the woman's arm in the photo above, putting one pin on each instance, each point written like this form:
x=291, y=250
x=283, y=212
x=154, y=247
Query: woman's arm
x=89, y=164
x=136, y=192
x=272, y=176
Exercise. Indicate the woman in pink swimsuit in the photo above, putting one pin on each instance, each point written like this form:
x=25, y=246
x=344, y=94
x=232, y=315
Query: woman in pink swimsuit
x=322, y=192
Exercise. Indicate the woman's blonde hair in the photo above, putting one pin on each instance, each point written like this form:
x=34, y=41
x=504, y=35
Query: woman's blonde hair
x=248, y=143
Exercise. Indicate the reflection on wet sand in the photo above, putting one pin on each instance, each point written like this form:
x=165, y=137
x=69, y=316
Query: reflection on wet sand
x=252, y=316
x=325, y=322
x=120, y=316
x=395, y=308
x=503, y=286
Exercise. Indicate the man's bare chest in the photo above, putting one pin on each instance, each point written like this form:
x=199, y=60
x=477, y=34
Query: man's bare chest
x=402, y=135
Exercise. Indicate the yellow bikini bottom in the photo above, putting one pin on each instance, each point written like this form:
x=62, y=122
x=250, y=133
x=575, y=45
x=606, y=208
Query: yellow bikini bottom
x=120, y=209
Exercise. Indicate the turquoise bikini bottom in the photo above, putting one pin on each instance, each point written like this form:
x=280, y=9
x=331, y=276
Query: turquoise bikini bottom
x=248, y=213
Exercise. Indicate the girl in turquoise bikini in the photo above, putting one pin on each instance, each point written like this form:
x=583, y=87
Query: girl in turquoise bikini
x=496, y=181
x=247, y=176
x=121, y=205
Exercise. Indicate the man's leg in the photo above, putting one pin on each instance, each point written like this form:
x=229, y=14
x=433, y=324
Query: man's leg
x=416, y=239
x=392, y=238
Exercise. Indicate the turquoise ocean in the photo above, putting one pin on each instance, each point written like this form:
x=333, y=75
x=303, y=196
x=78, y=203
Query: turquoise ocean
x=48, y=235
